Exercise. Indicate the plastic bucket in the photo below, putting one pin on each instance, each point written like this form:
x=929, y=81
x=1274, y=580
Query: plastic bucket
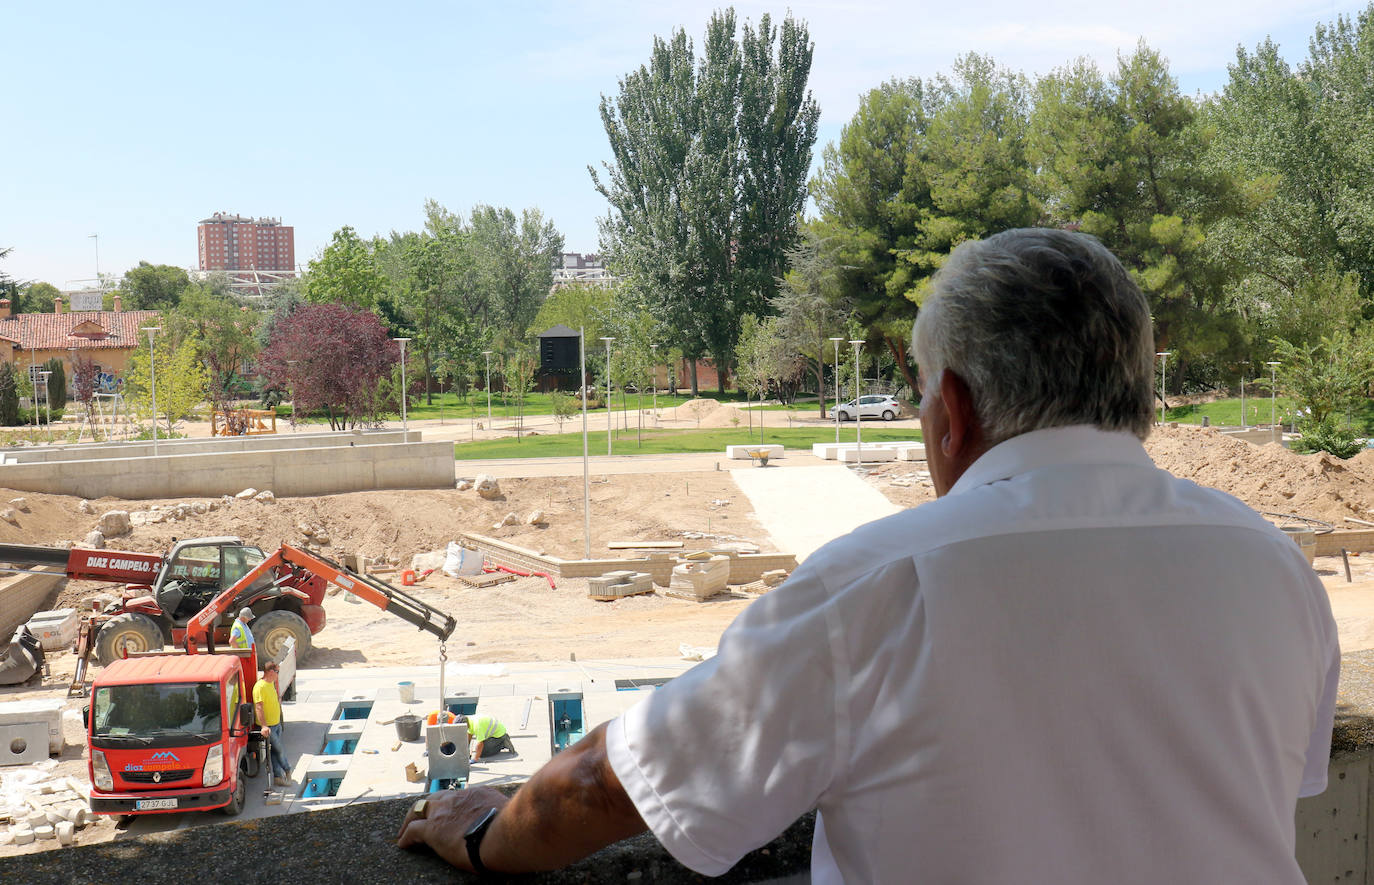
x=1305, y=538
x=408, y=727
x=407, y=690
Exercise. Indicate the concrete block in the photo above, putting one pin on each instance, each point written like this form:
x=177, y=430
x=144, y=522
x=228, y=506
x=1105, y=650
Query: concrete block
x=741, y=453
x=55, y=629
x=911, y=453
x=23, y=743
x=701, y=578
x=869, y=454
x=45, y=711
x=447, y=747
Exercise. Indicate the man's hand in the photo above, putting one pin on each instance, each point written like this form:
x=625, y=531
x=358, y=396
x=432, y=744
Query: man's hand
x=448, y=815
x=266, y=731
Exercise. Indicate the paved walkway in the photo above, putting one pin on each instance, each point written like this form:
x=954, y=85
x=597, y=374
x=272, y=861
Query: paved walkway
x=803, y=506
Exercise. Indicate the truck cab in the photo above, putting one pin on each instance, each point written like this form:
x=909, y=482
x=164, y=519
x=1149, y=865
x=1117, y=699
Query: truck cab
x=173, y=732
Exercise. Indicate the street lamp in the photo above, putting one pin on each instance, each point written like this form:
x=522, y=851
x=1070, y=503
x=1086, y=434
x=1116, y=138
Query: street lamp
x=152, y=373
x=1273, y=397
x=608, y=392
x=858, y=409
x=654, y=348
x=405, y=427
x=1163, y=366
x=586, y=463
x=836, y=407
x=487, y=354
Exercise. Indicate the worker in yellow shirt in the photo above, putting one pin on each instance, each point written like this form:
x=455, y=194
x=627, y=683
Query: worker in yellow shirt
x=267, y=706
x=490, y=735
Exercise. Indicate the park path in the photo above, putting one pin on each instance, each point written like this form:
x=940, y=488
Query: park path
x=805, y=506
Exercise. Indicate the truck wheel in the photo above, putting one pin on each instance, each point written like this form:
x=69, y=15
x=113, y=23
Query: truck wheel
x=252, y=762
x=236, y=801
x=272, y=630
x=130, y=631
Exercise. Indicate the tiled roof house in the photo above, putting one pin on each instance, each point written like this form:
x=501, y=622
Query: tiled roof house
x=106, y=337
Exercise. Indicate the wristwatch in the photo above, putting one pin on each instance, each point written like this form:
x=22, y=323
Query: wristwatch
x=473, y=838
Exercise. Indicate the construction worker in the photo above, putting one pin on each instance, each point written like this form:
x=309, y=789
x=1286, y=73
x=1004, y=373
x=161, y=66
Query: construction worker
x=239, y=634
x=267, y=707
x=489, y=734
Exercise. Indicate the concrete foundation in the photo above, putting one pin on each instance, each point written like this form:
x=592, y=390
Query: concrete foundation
x=220, y=444
x=350, y=465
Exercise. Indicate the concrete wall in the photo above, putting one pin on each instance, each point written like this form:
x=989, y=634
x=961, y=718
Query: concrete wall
x=88, y=451
x=22, y=595
x=287, y=472
x=1331, y=543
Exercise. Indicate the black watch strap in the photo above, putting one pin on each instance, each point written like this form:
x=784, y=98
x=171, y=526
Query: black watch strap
x=473, y=837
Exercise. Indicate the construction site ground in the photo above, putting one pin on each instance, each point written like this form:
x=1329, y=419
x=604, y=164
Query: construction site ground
x=517, y=640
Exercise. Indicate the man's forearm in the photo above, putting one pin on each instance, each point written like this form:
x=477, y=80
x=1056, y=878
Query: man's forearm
x=572, y=807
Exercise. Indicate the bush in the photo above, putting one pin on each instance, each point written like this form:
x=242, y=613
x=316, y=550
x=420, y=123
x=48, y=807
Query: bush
x=1328, y=435
x=57, y=383
x=25, y=416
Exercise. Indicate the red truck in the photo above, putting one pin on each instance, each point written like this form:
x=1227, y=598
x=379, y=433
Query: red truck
x=174, y=731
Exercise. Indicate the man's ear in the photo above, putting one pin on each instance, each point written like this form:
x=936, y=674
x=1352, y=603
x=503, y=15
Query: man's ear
x=963, y=437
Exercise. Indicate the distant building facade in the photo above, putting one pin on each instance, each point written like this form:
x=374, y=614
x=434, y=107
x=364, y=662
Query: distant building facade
x=575, y=268
x=255, y=253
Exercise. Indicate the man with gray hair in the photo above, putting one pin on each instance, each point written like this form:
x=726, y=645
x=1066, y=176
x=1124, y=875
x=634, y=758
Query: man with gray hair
x=1071, y=668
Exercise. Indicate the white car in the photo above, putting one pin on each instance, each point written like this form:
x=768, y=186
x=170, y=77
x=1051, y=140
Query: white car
x=885, y=407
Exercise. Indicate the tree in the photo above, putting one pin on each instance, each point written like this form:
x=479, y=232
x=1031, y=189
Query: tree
x=85, y=377
x=57, y=383
x=9, y=395
x=181, y=379
x=333, y=359
x=708, y=176
x=36, y=298
x=514, y=261
x=576, y=306
x=870, y=193
x=153, y=286
x=764, y=359
x=345, y=273
x=1329, y=377
x=809, y=306
x=224, y=329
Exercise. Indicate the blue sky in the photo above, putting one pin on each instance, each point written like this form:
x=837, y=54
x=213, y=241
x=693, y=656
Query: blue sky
x=136, y=120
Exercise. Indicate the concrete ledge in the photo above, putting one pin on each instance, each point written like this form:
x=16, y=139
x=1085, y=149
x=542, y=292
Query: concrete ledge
x=832, y=451
x=347, y=467
x=868, y=454
x=911, y=453
x=89, y=451
x=357, y=844
x=1331, y=543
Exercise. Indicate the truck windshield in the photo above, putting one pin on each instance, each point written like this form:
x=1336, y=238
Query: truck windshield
x=164, y=714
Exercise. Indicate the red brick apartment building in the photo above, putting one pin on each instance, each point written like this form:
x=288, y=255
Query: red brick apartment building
x=236, y=243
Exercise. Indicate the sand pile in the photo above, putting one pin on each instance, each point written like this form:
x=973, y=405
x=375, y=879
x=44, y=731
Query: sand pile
x=1269, y=477
x=707, y=412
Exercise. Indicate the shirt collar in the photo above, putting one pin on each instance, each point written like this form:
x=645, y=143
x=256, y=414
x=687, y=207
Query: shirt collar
x=1079, y=444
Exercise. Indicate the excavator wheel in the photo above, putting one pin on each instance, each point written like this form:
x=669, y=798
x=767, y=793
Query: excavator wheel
x=131, y=631
x=270, y=632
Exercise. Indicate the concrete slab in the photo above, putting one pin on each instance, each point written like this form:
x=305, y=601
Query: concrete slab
x=867, y=454
x=805, y=507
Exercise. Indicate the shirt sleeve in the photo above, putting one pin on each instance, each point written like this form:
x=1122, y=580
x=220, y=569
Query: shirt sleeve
x=1319, y=747
x=728, y=755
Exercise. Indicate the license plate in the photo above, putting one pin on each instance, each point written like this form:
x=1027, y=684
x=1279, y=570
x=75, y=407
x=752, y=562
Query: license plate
x=154, y=804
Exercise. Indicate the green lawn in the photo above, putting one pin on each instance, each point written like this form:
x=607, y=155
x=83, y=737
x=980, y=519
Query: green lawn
x=1226, y=412
x=659, y=442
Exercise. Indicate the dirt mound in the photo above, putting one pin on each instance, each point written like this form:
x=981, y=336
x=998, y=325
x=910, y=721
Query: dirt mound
x=1269, y=477
x=707, y=412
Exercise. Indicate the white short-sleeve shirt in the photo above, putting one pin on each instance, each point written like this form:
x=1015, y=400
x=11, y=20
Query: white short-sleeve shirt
x=1074, y=668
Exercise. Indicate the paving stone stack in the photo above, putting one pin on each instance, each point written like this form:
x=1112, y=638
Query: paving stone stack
x=619, y=584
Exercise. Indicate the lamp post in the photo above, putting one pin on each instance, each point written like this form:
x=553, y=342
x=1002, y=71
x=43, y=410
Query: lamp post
x=405, y=427
x=1163, y=367
x=654, y=348
x=152, y=374
x=608, y=392
x=487, y=354
x=836, y=407
x=1273, y=398
x=858, y=409
x=586, y=464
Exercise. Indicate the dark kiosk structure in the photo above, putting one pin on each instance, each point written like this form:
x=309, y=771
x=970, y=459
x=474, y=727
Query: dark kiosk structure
x=558, y=359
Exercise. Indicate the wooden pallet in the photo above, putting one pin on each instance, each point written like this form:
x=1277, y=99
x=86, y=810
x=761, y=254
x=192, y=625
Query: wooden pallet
x=486, y=580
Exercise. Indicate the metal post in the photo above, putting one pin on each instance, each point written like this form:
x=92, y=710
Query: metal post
x=1273, y=399
x=290, y=390
x=836, y=407
x=152, y=372
x=586, y=466
x=487, y=354
x=858, y=409
x=608, y=393
x=405, y=427
x=1242, y=403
